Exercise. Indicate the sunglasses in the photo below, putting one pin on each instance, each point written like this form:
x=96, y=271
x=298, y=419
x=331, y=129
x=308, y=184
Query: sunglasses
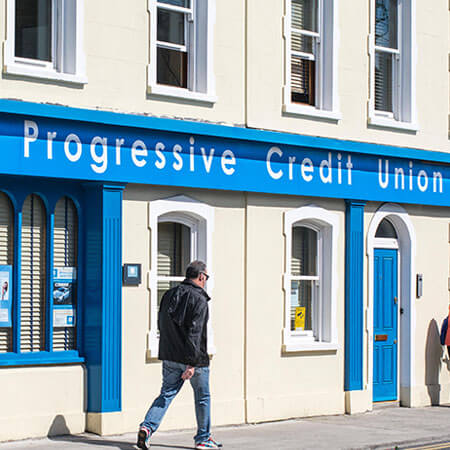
x=206, y=275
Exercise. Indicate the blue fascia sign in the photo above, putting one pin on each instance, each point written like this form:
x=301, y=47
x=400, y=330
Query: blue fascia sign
x=110, y=152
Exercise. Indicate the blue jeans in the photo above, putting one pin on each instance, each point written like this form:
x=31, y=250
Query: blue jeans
x=171, y=385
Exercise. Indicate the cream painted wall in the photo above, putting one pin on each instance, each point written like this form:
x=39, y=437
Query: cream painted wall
x=432, y=260
x=141, y=377
x=41, y=401
x=117, y=53
x=249, y=79
x=280, y=385
x=265, y=69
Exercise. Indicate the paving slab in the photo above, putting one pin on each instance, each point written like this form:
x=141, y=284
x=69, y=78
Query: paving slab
x=387, y=428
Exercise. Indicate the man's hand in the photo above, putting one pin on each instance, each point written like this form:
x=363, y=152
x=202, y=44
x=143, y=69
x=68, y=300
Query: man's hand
x=188, y=373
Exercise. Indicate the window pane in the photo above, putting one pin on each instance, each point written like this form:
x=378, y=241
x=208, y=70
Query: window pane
x=386, y=230
x=304, y=15
x=65, y=246
x=6, y=258
x=181, y=3
x=383, y=81
x=33, y=36
x=301, y=43
x=174, y=249
x=33, y=275
x=302, y=80
x=164, y=286
x=304, y=252
x=171, y=26
x=172, y=67
x=301, y=305
x=386, y=25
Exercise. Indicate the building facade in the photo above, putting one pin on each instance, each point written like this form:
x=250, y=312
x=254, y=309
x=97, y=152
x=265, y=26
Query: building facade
x=301, y=149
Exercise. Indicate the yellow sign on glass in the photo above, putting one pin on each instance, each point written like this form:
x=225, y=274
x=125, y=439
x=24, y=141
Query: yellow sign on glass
x=300, y=318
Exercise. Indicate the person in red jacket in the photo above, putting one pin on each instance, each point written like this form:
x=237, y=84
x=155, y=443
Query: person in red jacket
x=182, y=322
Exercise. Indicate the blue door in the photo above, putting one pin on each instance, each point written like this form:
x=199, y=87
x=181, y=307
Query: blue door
x=385, y=329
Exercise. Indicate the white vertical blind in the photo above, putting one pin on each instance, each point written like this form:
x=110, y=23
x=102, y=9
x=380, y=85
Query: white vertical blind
x=174, y=251
x=33, y=275
x=6, y=257
x=65, y=244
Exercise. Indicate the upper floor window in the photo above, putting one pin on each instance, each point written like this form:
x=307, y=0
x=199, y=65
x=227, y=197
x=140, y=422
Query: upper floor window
x=310, y=58
x=45, y=39
x=392, y=83
x=181, y=48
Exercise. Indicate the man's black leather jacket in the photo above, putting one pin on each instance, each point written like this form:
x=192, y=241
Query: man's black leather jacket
x=182, y=319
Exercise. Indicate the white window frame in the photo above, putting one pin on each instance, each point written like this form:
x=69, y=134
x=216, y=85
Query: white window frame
x=201, y=83
x=65, y=25
x=326, y=102
x=324, y=335
x=404, y=116
x=200, y=218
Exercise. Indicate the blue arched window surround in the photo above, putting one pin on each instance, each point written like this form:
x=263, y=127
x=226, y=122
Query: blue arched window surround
x=49, y=192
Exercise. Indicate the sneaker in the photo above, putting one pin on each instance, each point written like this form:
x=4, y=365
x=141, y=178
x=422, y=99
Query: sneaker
x=143, y=440
x=208, y=444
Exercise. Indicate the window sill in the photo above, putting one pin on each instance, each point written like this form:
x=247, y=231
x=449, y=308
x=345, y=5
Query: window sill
x=37, y=72
x=387, y=122
x=309, y=347
x=40, y=358
x=311, y=111
x=180, y=93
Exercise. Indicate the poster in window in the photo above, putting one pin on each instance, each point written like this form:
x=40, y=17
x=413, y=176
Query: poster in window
x=300, y=318
x=64, y=296
x=5, y=296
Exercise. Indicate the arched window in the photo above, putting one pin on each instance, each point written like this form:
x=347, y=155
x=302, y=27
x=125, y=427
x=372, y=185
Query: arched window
x=174, y=253
x=181, y=231
x=6, y=259
x=65, y=262
x=305, y=278
x=310, y=279
x=33, y=275
x=386, y=230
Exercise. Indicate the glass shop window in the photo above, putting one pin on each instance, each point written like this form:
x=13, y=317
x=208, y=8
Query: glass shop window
x=65, y=262
x=33, y=275
x=6, y=259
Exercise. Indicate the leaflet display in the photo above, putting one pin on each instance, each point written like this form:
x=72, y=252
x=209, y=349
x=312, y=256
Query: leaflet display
x=5, y=296
x=64, y=296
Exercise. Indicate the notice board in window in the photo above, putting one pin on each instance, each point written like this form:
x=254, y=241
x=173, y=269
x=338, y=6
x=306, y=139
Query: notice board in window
x=5, y=296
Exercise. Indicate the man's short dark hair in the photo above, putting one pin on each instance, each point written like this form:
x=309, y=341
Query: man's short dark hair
x=194, y=269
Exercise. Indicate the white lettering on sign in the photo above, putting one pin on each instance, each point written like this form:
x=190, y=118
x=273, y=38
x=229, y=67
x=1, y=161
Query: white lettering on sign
x=139, y=149
x=305, y=167
x=101, y=159
x=419, y=179
x=77, y=155
x=29, y=125
x=279, y=173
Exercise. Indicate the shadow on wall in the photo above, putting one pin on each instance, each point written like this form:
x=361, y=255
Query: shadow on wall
x=58, y=427
x=433, y=355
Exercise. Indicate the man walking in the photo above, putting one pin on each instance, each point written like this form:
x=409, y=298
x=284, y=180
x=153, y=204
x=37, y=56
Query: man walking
x=182, y=320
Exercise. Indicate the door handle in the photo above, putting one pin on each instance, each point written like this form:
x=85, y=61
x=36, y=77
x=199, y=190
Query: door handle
x=395, y=300
x=395, y=341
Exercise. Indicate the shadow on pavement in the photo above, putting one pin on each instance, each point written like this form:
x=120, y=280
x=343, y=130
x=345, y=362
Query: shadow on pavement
x=110, y=443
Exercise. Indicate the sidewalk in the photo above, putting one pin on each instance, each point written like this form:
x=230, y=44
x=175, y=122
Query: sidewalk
x=381, y=429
